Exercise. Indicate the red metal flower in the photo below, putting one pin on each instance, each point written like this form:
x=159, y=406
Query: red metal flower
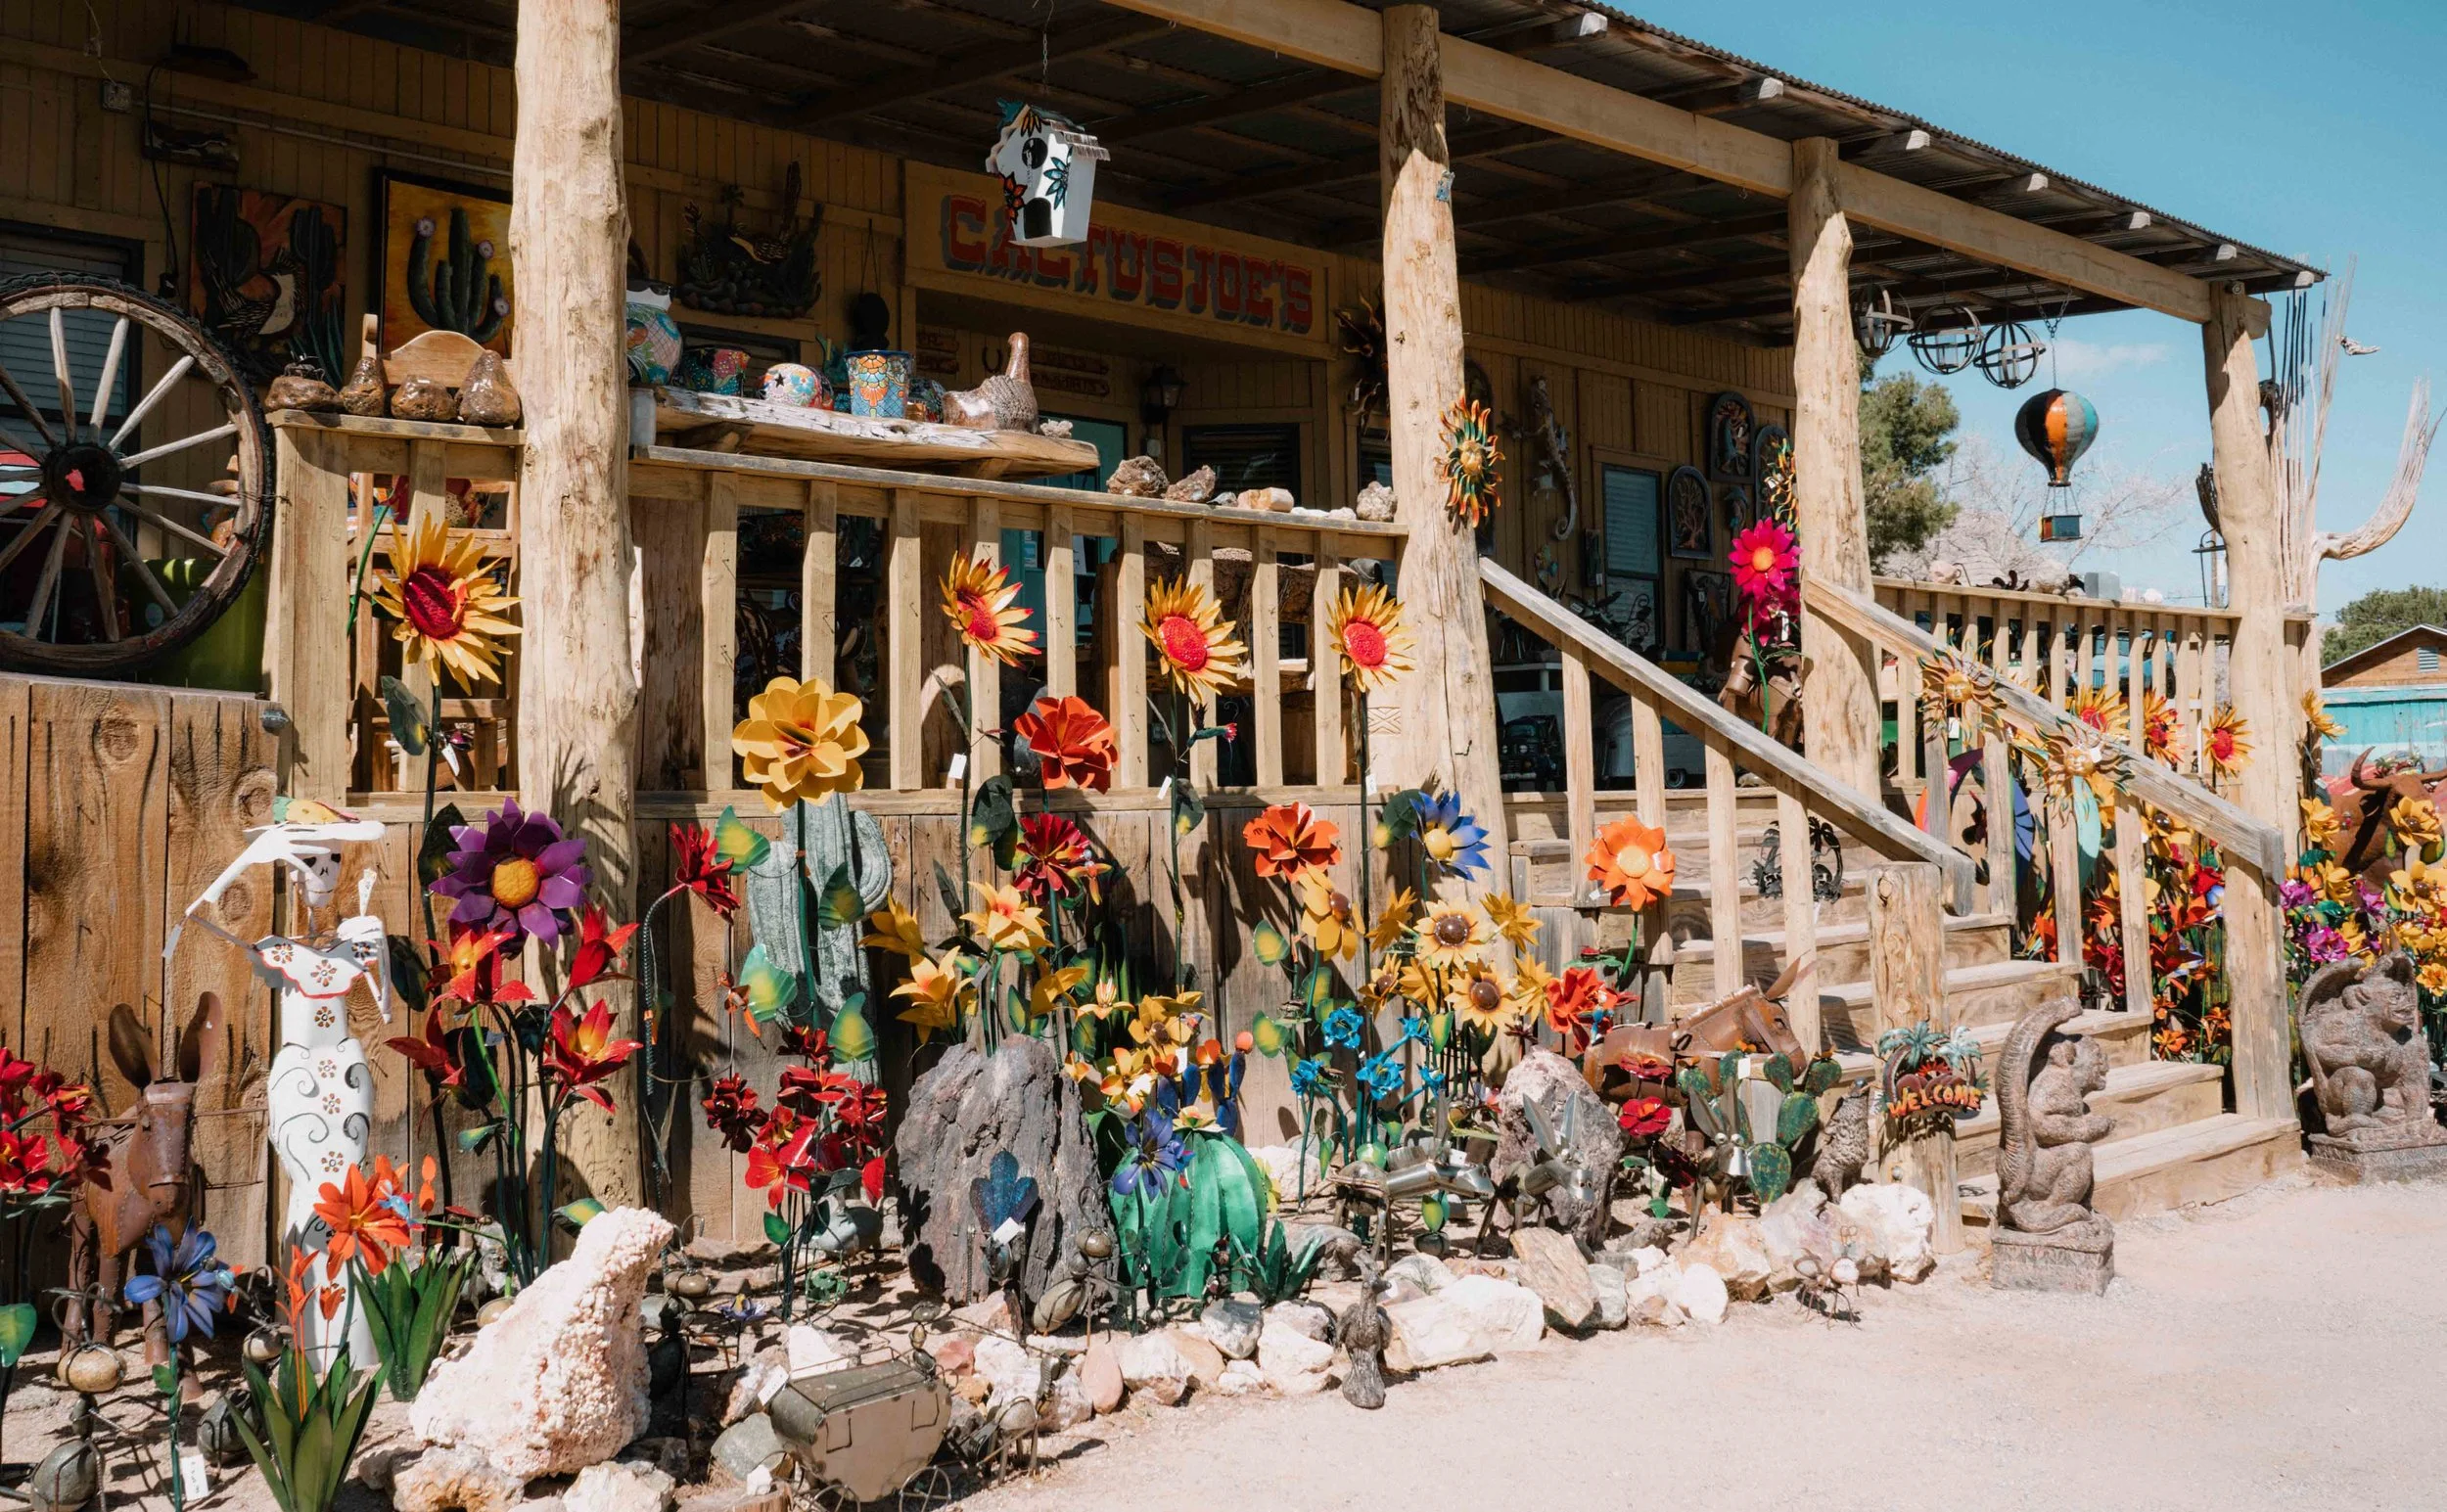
x=703, y=870
x=731, y=1111
x=1072, y=742
x=1054, y=859
x=433, y=1054
x=580, y=1054
x=599, y=947
x=1572, y=1000
x=782, y=1160
x=1645, y=1117
x=468, y=970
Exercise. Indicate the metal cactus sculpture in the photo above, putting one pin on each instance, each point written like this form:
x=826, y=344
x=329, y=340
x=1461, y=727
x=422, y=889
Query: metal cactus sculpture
x=462, y=294
x=849, y=872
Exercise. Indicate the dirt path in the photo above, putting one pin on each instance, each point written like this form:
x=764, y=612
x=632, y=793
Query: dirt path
x=2287, y=1349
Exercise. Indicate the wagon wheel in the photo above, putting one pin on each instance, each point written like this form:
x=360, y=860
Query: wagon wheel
x=931, y=1489
x=77, y=594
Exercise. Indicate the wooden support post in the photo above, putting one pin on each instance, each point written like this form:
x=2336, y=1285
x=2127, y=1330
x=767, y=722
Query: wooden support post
x=1996, y=792
x=1325, y=678
x=1265, y=644
x=718, y=587
x=1648, y=794
x=1448, y=709
x=1580, y=773
x=305, y=644
x=1724, y=872
x=819, y=629
x=1839, y=717
x=2261, y=680
x=1130, y=654
x=1801, y=921
x=1908, y=984
x=905, y=584
x=1061, y=603
x=577, y=697
x=985, y=673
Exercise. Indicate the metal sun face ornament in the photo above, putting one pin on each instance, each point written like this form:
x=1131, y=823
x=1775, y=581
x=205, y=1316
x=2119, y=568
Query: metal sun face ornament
x=1955, y=687
x=1471, y=461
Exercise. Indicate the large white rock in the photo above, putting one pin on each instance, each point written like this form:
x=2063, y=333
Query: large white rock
x=1067, y=1404
x=812, y=1351
x=454, y=1481
x=619, y=1488
x=1239, y=1378
x=1424, y=1271
x=558, y=1381
x=1614, y=1295
x=1650, y=1298
x=1292, y=1362
x=1153, y=1366
x=1507, y=1316
x=1285, y=1166
x=1011, y=1372
x=1730, y=1244
x=1899, y=1219
x=1549, y=1264
x=1232, y=1327
x=1429, y=1332
x=1700, y=1291
x=1306, y=1319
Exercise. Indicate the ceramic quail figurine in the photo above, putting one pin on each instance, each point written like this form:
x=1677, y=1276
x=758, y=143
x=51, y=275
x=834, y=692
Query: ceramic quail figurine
x=1005, y=401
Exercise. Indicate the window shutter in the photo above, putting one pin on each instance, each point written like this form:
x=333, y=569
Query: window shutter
x=26, y=341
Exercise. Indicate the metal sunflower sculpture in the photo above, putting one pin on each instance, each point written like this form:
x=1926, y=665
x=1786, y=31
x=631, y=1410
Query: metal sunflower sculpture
x=2069, y=759
x=1954, y=686
x=1471, y=461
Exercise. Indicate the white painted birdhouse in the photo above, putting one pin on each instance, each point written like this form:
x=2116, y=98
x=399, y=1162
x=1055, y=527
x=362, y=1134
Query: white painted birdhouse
x=1048, y=166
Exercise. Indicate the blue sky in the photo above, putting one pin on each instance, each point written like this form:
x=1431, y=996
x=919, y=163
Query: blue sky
x=2316, y=131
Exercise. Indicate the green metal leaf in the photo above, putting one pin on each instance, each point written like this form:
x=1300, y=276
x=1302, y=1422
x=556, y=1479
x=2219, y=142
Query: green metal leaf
x=949, y=891
x=1189, y=810
x=1267, y=943
x=433, y=854
x=1770, y=1172
x=1795, y=1119
x=735, y=842
x=775, y=1229
x=579, y=1213
x=1440, y=1030
x=1823, y=1072
x=771, y=989
x=407, y=715
x=17, y=1331
x=854, y=1038
x=1268, y=1034
x=476, y=1138
x=1777, y=1071
x=990, y=815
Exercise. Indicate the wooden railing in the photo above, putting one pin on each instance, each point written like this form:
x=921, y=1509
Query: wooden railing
x=1802, y=791
x=2042, y=665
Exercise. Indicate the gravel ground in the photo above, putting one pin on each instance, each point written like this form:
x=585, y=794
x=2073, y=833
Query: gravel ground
x=2284, y=1350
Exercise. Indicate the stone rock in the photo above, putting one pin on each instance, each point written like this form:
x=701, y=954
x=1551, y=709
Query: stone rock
x=1232, y=1326
x=955, y=1355
x=1308, y=1319
x=1899, y=1219
x=960, y=1114
x=619, y=1488
x=1650, y=1298
x=1101, y=1374
x=558, y=1381
x=1138, y=477
x=1730, y=1244
x=1429, y=1332
x=1505, y=1314
x=1195, y=489
x=1398, y=1289
x=1285, y=1167
x=363, y=392
x=730, y=1252
x=749, y=1445
x=1272, y=500
x=454, y=1478
x=1205, y=1361
x=812, y=1351
x=1240, y=1378
x=757, y=1381
x=379, y=1468
x=1339, y=1259
x=1009, y=1372
x=1293, y=1362
x=487, y=397
x=1701, y=1293
x=1066, y=1404
x=1153, y=1366
x=1424, y=1271
x=1580, y=1119
x=1376, y=502
x=1613, y=1291
x=423, y=398
x=1550, y=1264
x=671, y=1455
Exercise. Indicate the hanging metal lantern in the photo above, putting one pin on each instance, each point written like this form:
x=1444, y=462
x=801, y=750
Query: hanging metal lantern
x=2009, y=356
x=1876, y=324
x=1952, y=347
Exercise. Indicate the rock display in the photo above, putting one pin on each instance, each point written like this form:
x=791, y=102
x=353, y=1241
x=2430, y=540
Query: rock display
x=558, y=1381
x=441, y=1480
x=1232, y=1327
x=1138, y=478
x=1699, y=1292
x=1291, y=1360
x=1153, y=1366
x=488, y=399
x=363, y=395
x=1730, y=1244
x=1550, y=1264
x=960, y=1114
x=1580, y=1119
x=423, y=398
x=1470, y=1318
x=1898, y=1220
x=619, y=1488
x=1192, y=488
x=1613, y=1292
x=1376, y=502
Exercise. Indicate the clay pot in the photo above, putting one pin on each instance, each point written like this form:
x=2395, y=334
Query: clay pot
x=423, y=398
x=487, y=397
x=301, y=385
x=363, y=395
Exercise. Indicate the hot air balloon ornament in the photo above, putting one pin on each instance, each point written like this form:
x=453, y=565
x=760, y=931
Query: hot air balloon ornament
x=2056, y=427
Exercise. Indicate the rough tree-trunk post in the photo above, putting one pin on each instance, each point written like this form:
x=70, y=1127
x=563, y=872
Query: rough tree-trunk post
x=1908, y=985
x=578, y=691
x=1447, y=707
x=2261, y=683
x=1839, y=705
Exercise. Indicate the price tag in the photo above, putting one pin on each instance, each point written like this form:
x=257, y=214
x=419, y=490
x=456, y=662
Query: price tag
x=959, y=765
x=194, y=1473
x=772, y=1387
x=1012, y=1229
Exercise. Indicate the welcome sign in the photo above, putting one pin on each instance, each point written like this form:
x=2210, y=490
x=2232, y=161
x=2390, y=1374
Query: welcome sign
x=1138, y=268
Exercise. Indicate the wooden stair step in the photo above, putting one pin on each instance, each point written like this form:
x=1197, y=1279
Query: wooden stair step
x=1990, y=995
x=1971, y=939
x=2124, y=1036
x=2142, y=1097
x=2207, y=1161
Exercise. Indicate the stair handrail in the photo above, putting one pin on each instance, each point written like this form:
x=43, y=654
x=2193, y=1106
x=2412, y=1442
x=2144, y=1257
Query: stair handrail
x=1781, y=768
x=2236, y=833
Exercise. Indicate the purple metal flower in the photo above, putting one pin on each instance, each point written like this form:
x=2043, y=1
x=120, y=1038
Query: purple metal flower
x=2324, y=945
x=2295, y=895
x=516, y=872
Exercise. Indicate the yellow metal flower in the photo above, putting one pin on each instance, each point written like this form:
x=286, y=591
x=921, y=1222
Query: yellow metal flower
x=2227, y=742
x=896, y=931
x=2316, y=717
x=2412, y=888
x=938, y=990
x=1478, y=1001
x=2432, y=979
x=977, y=600
x=1326, y=915
x=1190, y=634
x=1053, y=989
x=800, y=741
x=448, y=607
x=1529, y=987
x=2415, y=823
x=1471, y=461
x=2104, y=710
x=1164, y=1022
x=1511, y=919
x=1393, y=921
x=1005, y=920
x=2322, y=827
x=1453, y=936
x=1368, y=632
x=1106, y=1001
x=2162, y=730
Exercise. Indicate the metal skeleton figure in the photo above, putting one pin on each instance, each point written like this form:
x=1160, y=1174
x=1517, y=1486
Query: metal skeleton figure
x=320, y=1095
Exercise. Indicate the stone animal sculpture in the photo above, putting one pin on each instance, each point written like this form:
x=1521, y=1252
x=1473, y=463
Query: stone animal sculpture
x=1365, y=1330
x=2045, y=1127
x=1004, y=401
x=2361, y=1031
x=1844, y=1144
x=2362, y=812
x=151, y=1169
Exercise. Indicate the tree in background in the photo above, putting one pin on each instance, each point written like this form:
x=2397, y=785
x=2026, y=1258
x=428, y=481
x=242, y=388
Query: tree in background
x=1907, y=433
x=2379, y=613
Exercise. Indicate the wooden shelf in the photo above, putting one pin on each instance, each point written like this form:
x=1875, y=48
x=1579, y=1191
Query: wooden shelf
x=715, y=422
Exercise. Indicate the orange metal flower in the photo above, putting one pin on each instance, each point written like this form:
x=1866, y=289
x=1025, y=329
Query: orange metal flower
x=977, y=600
x=1632, y=862
x=800, y=741
x=1072, y=743
x=2227, y=742
x=1287, y=837
x=2162, y=729
x=1368, y=632
x=366, y=1222
x=1196, y=640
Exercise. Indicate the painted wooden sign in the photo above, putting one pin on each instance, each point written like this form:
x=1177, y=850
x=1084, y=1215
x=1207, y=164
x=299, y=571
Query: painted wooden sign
x=1140, y=269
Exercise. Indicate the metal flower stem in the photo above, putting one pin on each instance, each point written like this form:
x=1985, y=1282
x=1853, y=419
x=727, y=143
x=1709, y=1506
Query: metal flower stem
x=424, y=896
x=1367, y=907
x=1172, y=835
x=178, y=1486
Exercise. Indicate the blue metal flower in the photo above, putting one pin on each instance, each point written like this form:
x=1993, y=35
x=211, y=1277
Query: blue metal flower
x=1452, y=838
x=1154, y=1159
x=188, y=1280
x=1312, y=1078
x=1381, y=1074
x=1343, y=1027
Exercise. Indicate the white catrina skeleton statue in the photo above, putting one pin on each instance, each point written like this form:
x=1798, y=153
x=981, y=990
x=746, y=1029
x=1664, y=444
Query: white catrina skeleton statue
x=320, y=1098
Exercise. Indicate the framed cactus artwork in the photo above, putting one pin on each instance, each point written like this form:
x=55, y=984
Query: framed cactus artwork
x=445, y=261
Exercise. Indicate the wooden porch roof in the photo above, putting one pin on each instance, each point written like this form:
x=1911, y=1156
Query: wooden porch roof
x=1218, y=130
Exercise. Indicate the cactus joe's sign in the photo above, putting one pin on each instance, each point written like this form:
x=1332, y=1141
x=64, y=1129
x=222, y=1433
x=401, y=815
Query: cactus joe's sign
x=1138, y=268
